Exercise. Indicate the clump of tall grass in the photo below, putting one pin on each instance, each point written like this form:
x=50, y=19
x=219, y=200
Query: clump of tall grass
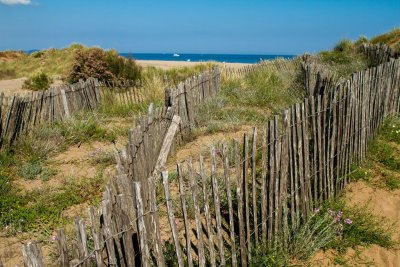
x=333, y=226
x=303, y=242
x=38, y=82
x=362, y=228
x=382, y=161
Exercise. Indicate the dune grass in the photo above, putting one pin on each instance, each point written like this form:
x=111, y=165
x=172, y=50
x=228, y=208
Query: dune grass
x=391, y=38
x=252, y=99
x=53, y=62
x=381, y=167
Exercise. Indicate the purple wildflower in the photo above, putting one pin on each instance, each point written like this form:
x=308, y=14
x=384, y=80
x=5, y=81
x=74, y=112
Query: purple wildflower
x=348, y=221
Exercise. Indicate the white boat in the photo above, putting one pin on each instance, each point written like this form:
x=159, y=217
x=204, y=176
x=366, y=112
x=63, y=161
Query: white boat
x=176, y=55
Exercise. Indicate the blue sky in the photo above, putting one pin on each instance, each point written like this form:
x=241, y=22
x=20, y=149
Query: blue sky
x=207, y=26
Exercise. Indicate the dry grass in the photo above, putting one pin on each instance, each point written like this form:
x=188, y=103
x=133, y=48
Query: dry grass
x=54, y=62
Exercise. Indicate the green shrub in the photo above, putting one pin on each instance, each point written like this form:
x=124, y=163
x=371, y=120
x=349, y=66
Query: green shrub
x=121, y=67
x=30, y=170
x=90, y=64
x=40, y=81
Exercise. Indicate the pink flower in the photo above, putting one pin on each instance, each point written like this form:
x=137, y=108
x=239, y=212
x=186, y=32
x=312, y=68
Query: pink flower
x=348, y=221
x=53, y=238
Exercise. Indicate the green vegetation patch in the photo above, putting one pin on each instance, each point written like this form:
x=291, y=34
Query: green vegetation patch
x=41, y=210
x=333, y=226
x=345, y=58
x=361, y=228
x=37, y=82
x=381, y=167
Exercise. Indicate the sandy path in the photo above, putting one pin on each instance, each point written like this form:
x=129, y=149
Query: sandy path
x=13, y=86
x=177, y=64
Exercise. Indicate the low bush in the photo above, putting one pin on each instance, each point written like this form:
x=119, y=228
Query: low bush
x=90, y=64
x=38, y=82
x=102, y=65
x=121, y=67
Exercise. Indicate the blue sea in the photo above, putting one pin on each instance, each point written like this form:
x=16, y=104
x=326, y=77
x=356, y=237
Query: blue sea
x=229, y=58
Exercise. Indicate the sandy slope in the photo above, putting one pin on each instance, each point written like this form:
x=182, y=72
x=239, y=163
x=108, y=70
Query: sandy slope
x=13, y=86
x=381, y=203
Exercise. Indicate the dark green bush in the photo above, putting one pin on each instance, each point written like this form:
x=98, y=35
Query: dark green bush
x=121, y=67
x=40, y=81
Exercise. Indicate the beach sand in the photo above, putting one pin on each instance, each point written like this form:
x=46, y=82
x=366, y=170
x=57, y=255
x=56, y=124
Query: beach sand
x=178, y=64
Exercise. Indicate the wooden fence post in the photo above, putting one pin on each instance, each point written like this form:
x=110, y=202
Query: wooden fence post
x=95, y=235
x=32, y=254
x=217, y=209
x=65, y=103
x=239, y=192
x=209, y=226
x=171, y=218
x=144, y=247
x=62, y=248
x=230, y=206
x=199, y=229
x=182, y=196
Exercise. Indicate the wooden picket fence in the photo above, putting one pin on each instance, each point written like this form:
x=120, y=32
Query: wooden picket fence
x=19, y=114
x=216, y=209
x=378, y=53
x=146, y=151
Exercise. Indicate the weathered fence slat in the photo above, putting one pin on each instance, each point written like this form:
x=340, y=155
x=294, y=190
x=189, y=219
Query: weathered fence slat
x=217, y=208
x=239, y=193
x=32, y=254
x=210, y=231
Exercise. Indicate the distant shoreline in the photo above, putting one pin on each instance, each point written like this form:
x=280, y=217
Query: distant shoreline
x=223, y=58
x=168, y=64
